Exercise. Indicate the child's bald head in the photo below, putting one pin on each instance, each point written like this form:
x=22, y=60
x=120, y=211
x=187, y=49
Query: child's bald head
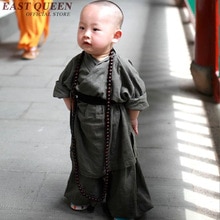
x=117, y=13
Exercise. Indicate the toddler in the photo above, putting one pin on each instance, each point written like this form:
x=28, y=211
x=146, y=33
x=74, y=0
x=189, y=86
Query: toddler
x=104, y=94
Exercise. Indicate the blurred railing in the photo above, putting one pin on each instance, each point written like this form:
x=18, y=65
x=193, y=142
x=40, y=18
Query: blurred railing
x=189, y=5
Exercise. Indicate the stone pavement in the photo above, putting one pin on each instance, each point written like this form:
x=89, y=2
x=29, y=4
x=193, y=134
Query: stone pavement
x=179, y=133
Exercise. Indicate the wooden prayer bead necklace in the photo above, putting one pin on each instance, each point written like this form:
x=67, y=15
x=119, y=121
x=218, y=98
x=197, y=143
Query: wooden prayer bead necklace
x=107, y=131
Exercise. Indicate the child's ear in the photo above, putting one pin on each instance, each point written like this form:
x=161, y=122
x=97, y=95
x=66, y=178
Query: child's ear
x=117, y=36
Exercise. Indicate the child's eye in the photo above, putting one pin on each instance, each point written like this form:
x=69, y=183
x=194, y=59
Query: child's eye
x=81, y=28
x=96, y=29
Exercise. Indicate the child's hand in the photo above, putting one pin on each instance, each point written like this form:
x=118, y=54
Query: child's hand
x=133, y=114
x=134, y=124
x=68, y=103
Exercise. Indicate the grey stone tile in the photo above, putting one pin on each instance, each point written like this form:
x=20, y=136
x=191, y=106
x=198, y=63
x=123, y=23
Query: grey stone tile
x=12, y=94
x=34, y=131
x=19, y=81
x=19, y=189
x=9, y=110
x=35, y=157
x=48, y=111
x=8, y=70
x=160, y=162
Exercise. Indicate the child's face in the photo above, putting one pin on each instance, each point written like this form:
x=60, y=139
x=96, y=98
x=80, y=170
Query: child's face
x=97, y=30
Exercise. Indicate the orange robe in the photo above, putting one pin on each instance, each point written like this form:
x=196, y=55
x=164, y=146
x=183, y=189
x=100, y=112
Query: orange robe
x=32, y=26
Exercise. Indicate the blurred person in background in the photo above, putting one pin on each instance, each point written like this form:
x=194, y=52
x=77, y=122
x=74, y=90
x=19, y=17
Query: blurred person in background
x=33, y=23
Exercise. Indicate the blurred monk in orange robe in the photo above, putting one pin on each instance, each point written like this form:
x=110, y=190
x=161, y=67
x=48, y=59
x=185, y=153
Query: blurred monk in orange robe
x=33, y=22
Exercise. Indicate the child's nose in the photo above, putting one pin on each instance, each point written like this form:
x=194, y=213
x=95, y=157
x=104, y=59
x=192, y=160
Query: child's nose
x=87, y=34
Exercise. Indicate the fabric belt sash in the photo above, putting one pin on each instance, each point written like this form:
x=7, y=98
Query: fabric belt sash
x=92, y=100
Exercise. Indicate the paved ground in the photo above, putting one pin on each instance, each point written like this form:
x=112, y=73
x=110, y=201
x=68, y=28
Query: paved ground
x=179, y=133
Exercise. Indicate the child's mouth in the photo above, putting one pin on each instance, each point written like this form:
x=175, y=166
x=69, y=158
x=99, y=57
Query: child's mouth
x=86, y=43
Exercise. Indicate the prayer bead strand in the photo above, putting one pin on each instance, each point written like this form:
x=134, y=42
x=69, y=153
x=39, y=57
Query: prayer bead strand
x=107, y=131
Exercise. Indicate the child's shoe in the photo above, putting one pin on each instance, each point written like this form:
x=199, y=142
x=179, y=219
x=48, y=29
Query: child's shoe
x=78, y=207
